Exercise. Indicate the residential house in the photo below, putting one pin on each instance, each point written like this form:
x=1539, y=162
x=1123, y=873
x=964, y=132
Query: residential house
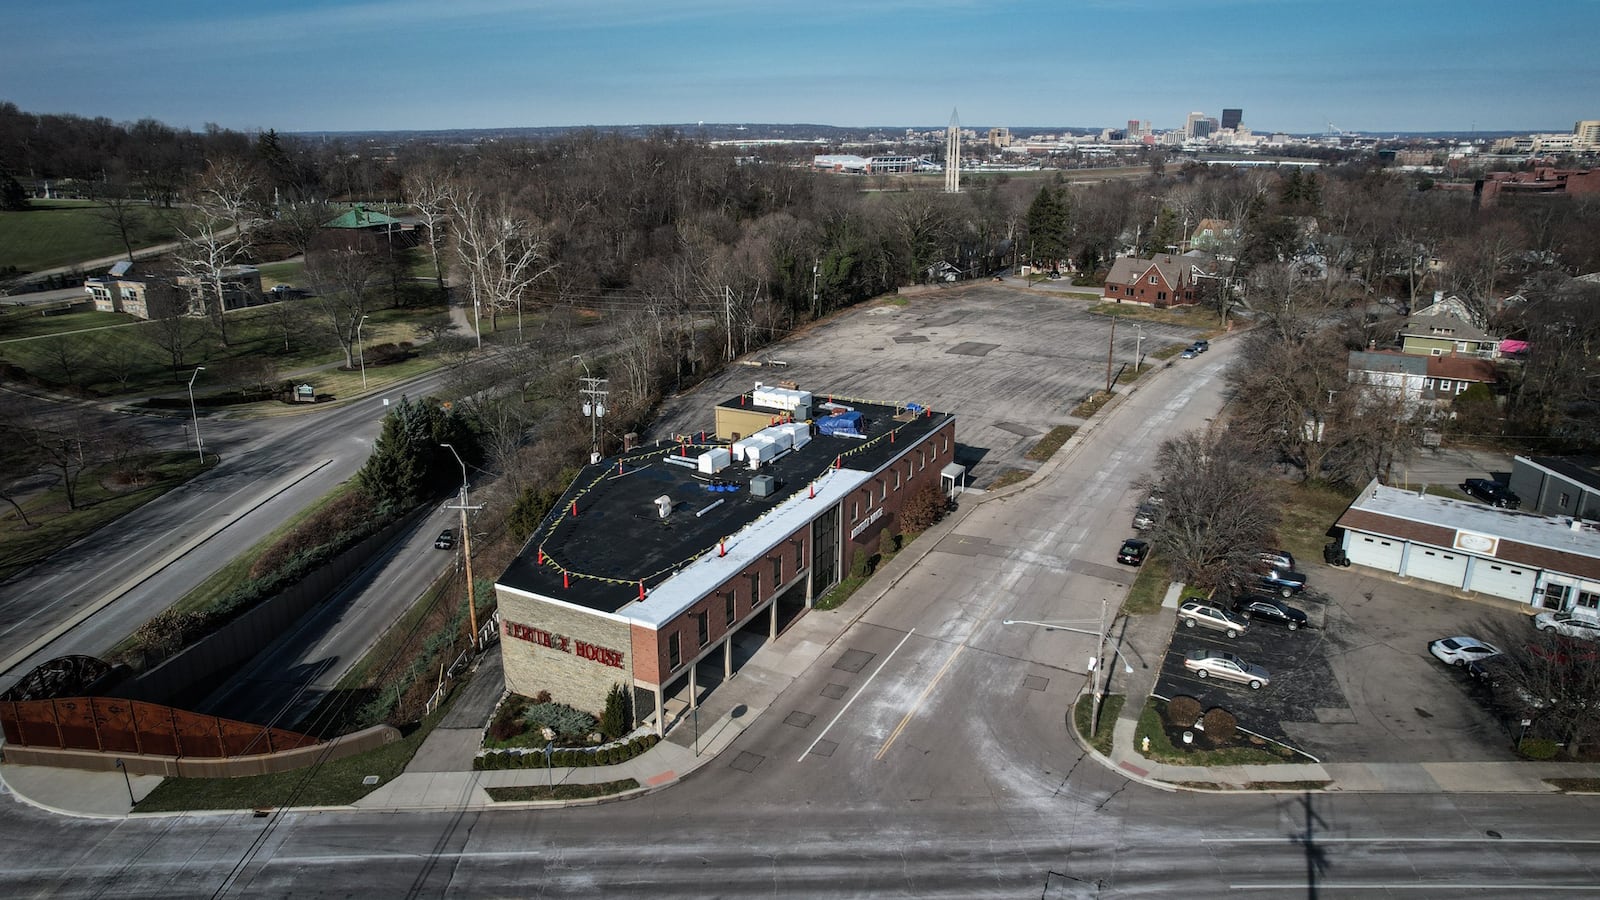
x=122, y=289
x=1212, y=235
x=1419, y=381
x=1161, y=281
x=128, y=288
x=1558, y=485
x=1444, y=334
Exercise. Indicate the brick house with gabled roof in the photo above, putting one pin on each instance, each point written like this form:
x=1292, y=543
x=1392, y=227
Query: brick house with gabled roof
x=1162, y=281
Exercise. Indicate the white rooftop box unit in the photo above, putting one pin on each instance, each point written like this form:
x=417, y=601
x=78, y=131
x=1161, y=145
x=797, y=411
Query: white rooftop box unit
x=799, y=433
x=760, y=450
x=785, y=399
x=715, y=460
x=739, y=448
x=778, y=435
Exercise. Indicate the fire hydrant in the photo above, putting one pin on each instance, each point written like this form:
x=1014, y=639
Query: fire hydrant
x=1144, y=745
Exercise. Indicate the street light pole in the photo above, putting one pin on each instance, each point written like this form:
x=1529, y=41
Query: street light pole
x=129, y=782
x=466, y=547
x=361, y=352
x=1138, y=347
x=199, y=446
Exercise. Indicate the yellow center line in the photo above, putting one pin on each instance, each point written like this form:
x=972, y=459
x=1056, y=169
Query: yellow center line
x=906, y=720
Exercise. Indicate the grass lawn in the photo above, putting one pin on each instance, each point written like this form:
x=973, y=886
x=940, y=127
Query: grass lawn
x=1051, y=442
x=57, y=527
x=1197, y=317
x=1009, y=477
x=336, y=783
x=290, y=271
x=1110, y=708
x=1149, y=588
x=61, y=233
x=1309, y=510
x=561, y=791
x=24, y=324
x=1092, y=405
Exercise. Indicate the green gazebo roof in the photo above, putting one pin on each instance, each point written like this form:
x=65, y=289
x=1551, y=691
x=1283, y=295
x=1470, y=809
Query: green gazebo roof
x=361, y=217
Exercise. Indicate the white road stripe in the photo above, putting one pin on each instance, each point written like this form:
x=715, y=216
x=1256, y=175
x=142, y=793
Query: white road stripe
x=859, y=691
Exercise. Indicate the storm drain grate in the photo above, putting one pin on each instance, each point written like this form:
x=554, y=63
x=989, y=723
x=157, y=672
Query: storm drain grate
x=824, y=748
x=799, y=719
x=834, y=691
x=747, y=761
x=854, y=660
x=972, y=348
x=910, y=339
x=1035, y=682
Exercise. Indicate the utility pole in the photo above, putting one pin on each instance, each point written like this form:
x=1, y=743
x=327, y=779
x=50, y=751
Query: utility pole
x=466, y=547
x=727, y=307
x=1110, y=345
x=1097, y=664
x=1138, y=347
x=592, y=394
x=816, y=304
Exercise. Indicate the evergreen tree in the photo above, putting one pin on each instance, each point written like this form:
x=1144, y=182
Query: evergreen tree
x=618, y=716
x=408, y=463
x=1048, y=226
x=12, y=196
x=1165, y=233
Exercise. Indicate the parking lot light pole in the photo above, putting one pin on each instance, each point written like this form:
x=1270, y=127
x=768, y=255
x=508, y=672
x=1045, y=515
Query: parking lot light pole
x=199, y=447
x=466, y=546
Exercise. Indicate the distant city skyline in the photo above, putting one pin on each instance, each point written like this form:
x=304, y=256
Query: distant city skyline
x=1291, y=65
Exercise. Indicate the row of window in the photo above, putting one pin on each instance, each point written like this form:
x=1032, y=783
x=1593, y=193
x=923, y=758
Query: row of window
x=730, y=608
x=913, y=466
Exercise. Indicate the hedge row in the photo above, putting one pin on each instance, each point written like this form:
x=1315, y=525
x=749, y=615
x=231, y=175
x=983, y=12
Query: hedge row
x=535, y=759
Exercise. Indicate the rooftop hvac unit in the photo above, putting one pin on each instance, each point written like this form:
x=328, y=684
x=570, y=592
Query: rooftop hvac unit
x=663, y=506
x=762, y=486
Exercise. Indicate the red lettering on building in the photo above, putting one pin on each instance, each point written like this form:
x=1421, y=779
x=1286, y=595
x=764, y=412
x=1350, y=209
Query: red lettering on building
x=583, y=649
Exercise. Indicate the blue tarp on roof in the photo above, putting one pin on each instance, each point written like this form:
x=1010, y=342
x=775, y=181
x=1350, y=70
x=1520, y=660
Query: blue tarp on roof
x=846, y=424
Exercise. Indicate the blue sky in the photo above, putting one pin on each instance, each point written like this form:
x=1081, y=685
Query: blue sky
x=1292, y=65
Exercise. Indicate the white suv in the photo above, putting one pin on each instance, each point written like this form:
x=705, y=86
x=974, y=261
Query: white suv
x=1199, y=612
x=1567, y=624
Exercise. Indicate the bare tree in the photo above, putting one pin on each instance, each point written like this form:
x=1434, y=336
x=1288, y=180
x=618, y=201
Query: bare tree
x=216, y=236
x=1548, y=679
x=1218, y=510
x=342, y=269
x=502, y=253
x=1289, y=396
x=118, y=211
x=19, y=459
x=66, y=445
x=170, y=330
x=428, y=188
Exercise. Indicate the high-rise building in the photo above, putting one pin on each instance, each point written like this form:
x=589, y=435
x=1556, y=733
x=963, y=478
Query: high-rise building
x=1232, y=117
x=1133, y=128
x=1195, y=118
x=952, y=155
x=1586, y=133
x=999, y=137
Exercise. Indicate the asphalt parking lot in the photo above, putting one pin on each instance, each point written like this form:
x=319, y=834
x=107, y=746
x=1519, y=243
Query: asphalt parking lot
x=1361, y=686
x=1011, y=363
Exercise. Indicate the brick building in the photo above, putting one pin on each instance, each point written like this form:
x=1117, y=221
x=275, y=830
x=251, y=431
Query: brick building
x=654, y=561
x=1164, y=280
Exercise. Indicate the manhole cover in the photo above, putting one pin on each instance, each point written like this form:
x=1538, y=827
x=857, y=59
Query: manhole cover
x=972, y=348
x=824, y=748
x=747, y=761
x=910, y=339
x=799, y=719
x=834, y=691
x=853, y=660
x=1035, y=682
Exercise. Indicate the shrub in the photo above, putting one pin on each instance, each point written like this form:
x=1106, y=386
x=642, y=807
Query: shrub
x=1183, y=712
x=560, y=718
x=1221, y=727
x=1538, y=748
x=618, y=715
x=507, y=722
x=922, y=509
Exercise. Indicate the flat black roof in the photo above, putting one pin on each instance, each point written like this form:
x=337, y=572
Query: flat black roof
x=1584, y=470
x=617, y=539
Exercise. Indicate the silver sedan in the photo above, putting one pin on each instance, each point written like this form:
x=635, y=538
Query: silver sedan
x=1228, y=667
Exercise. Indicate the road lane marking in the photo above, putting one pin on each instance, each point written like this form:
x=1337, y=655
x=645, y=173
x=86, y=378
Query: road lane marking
x=1319, y=839
x=1503, y=888
x=859, y=691
x=906, y=719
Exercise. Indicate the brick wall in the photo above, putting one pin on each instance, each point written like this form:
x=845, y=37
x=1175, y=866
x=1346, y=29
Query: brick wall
x=883, y=496
x=575, y=655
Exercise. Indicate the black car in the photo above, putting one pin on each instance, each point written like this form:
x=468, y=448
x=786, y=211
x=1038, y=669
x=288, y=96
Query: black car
x=446, y=539
x=1491, y=492
x=1133, y=552
x=1279, y=581
x=1202, y=346
x=1269, y=609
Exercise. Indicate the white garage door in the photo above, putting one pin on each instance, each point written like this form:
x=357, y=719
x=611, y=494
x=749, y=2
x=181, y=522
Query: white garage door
x=1376, y=552
x=1433, y=564
x=1502, y=580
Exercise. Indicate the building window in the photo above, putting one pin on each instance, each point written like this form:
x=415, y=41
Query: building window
x=674, y=651
x=1555, y=595
x=1153, y=279
x=1444, y=385
x=897, y=479
x=1588, y=600
x=702, y=627
x=730, y=605
x=883, y=488
x=1565, y=499
x=777, y=570
x=1436, y=351
x=799, y=554
x=755, y=588
x=855, y=512
x=1161, y=295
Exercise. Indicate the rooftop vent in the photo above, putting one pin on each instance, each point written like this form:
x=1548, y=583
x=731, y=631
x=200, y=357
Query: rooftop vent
x=762, y=485
x=663, y=506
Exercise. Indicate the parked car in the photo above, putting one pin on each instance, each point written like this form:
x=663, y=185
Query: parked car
x=1568, y=625
x=1271, y=609
x=1226, y=666
x=1202, y=346
x=1502, y=686
x=1491, y=492
x=1280, y=581
x=1199, y=612
x=1144, y=518
x=1133, y=552
x=1277, y=559
x=1460, y=650
x=446, y=539
x=1189, y=352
